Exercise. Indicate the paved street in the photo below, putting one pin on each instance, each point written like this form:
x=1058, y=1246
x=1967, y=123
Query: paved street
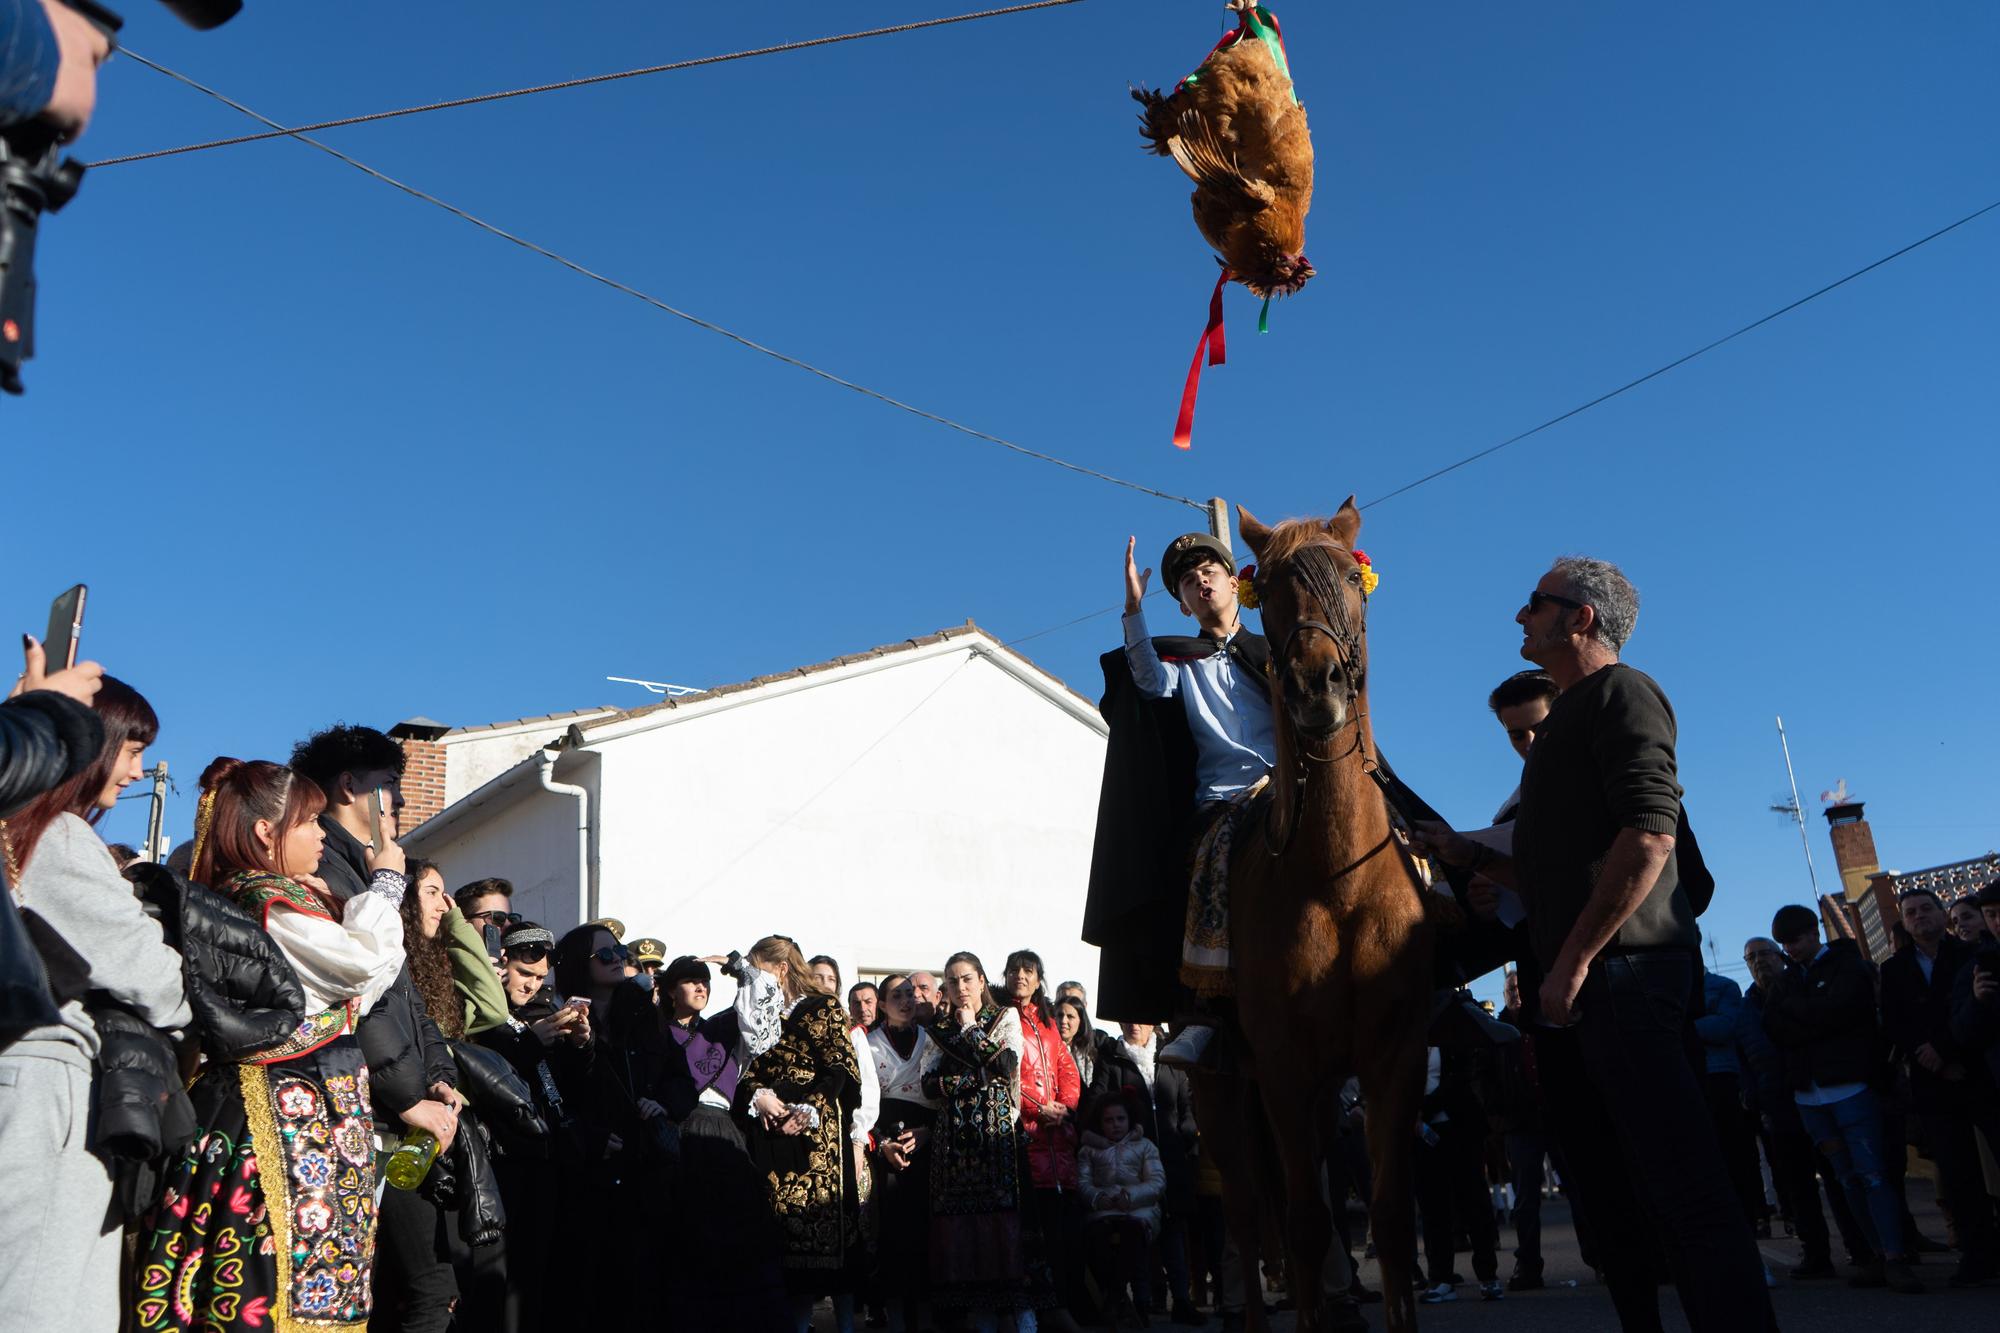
x=1821, y=1307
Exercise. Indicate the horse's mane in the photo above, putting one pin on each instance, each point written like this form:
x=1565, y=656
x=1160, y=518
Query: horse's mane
x=1294, y=535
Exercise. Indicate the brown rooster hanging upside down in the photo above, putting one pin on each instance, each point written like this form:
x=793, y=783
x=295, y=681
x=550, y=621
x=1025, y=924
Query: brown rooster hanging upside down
x=1236, y=127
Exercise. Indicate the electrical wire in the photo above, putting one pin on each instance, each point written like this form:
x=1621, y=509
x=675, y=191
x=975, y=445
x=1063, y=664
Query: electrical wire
x=1681, y=361
x=588, y=81
x=658, y=304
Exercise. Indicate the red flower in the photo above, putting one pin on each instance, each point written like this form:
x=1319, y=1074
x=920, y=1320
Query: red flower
x=1247, y=572
x=1361, y=557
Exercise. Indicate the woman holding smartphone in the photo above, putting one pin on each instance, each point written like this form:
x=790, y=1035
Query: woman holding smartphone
x=60, y=1264
x=616, y=1094
x=269, y=1220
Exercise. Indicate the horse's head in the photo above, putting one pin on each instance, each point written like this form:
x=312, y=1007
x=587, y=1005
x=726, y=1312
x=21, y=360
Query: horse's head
x=1309, y=586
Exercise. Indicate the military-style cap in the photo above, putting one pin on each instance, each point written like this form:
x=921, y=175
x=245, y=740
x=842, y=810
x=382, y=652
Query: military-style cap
x=648, y=952
x=1185, y=552
x=612, y=924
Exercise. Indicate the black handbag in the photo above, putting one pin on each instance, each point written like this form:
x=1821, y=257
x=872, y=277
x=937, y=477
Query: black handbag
x=25, y=1001
x=500, y=1095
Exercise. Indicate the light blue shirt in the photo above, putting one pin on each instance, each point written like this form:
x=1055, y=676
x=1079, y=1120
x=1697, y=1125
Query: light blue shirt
x=1228, y=713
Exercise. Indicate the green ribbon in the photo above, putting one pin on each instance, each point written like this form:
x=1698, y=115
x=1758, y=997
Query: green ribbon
x=1264, y=317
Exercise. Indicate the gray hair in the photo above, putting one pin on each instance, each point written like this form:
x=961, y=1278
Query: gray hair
x=1603, y=587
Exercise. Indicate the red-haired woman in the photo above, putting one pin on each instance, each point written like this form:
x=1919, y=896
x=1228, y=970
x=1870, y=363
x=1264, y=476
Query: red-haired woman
x=61, y=1263
x=269, y=1220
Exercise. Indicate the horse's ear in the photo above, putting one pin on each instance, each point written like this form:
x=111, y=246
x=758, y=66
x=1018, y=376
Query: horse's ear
x=1255, y=534
x=1345, y=526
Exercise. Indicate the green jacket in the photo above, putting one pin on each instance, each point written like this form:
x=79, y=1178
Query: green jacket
x=472, y=973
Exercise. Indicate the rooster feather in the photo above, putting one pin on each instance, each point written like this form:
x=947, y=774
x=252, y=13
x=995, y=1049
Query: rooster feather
x=1236, y=127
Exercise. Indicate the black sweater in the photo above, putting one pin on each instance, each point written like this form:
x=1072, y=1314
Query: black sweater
x=1916, y=1013
x=1602, y=763
x=1822, y=1020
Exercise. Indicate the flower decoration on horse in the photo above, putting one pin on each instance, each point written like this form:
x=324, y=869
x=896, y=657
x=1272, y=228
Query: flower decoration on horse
x=1246, y=581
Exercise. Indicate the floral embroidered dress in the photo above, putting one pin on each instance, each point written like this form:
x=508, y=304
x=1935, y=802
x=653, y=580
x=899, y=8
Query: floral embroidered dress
x=977, y=1161
x=811, y=1176
x=269, y=1220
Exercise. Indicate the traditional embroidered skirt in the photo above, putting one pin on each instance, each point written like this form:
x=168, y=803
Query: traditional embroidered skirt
x=976, y=1181
x=269, y=1221
x=1205, y=949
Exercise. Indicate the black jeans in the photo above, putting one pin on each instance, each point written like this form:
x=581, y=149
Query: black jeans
x=414, y=1284
x=1525, y=1152
x=1737, y=1139
x=1451, y=1187
x=1633, y=1045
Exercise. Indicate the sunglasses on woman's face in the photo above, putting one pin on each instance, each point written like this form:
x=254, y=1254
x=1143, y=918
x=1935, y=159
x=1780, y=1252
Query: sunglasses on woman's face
x=612, y=953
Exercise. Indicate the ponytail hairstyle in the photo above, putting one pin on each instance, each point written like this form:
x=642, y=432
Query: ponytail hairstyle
x=126, y=717
x=430, y=962
x=1039, y=1001
x=784, y=949
x=235, y=794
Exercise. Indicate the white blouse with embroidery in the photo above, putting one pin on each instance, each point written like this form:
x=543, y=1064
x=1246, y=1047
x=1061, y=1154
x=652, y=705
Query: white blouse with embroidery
x=358, y=955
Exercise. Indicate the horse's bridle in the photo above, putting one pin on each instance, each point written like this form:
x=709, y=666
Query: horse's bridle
x=1315, y=568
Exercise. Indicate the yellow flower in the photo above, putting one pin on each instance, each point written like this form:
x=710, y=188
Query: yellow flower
x=1246, y=593
x=1369, y=580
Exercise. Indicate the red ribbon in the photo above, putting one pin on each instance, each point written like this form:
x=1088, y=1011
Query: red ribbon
x=1211, y=347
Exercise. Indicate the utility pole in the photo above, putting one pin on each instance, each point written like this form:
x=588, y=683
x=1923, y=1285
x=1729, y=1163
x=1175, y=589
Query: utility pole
x=1218, y=522
x=1798, y=811
x=156, y=818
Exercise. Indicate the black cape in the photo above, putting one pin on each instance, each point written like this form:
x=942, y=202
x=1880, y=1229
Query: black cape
x=1136, y=911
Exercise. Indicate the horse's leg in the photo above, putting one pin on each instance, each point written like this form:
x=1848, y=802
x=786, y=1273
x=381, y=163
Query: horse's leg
x=1223, y=1108
x=1291, y=1111
x=1392, y=1090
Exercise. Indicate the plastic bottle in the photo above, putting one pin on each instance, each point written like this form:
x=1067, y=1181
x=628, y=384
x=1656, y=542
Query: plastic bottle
x=411, y=1161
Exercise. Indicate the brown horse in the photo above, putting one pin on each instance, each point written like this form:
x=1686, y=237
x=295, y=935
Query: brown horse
x=1329, y=938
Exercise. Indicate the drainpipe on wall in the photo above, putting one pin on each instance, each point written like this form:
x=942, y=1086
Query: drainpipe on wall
x=545, y=774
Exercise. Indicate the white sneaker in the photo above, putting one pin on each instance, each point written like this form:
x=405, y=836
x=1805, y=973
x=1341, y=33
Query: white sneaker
x=1492, y=1291
x=1439, y=1294
x=1187, y=1047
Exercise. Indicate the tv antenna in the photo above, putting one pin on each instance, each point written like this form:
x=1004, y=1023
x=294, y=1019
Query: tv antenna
x=660, y=687
x=1795, y=811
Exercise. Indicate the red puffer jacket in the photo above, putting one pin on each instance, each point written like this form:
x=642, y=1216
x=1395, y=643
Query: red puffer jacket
x=1048, y=1077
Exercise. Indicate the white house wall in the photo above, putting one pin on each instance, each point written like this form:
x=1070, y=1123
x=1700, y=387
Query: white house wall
x=530, y=840
x=886, y=819
x=474, y=759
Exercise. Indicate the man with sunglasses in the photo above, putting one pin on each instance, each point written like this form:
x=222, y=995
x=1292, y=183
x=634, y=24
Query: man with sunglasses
x=485, y=902
x=1612, y=923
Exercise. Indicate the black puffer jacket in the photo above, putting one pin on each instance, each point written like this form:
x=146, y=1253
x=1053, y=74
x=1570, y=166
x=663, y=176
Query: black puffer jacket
x=406, y=1053
x=244, y=992
x=45, y=740
x=1822, y=1020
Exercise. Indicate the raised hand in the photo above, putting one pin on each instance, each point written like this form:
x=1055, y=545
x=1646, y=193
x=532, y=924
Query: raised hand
x=1135, y=578
x=80, y=682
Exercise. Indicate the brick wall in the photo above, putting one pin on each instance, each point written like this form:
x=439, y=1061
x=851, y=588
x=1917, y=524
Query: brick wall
x=423, y=783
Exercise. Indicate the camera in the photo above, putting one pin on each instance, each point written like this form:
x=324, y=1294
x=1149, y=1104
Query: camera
x=35, y=178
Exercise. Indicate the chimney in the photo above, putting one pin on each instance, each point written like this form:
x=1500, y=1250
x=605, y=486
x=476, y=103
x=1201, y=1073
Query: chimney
x=423, y=771
x=1853, y=848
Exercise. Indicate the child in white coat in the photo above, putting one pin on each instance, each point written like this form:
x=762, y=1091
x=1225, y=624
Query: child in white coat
x=1121, y=1179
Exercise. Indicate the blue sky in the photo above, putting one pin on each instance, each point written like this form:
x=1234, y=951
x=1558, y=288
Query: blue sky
x=324, y=452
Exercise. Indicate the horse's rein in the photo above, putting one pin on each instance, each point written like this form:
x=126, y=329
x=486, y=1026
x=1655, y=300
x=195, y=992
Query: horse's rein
x=1320, y=580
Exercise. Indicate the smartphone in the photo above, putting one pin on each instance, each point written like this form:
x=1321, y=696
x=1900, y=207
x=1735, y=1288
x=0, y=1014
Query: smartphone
x=579, y=1002
x=65, y=628
x=375, y=816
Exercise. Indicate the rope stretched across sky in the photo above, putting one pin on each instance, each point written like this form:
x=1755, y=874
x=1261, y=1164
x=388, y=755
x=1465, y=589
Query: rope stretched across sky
x=281, y=132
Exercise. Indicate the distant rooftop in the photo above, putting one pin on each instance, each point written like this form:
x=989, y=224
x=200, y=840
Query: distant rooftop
x=1947, y=881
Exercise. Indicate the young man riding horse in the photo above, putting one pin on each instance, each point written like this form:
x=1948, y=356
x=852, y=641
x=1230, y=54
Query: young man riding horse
x=1191, y=729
